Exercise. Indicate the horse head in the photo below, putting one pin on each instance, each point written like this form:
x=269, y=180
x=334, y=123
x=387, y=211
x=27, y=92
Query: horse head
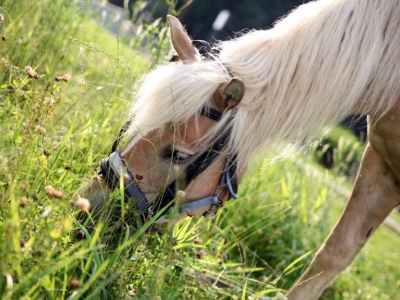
x=176, y=131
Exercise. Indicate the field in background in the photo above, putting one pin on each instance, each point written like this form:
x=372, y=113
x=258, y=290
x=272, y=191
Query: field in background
x=56, y=132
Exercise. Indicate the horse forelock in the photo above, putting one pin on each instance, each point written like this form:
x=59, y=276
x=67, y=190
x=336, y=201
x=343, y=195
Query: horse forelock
x=323, y=61
x=173, y=93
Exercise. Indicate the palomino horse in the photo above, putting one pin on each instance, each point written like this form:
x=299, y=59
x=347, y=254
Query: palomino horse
x=325, y=60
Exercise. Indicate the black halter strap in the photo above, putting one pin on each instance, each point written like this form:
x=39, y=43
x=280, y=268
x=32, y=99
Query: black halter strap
x=205, y=160
x=211, y=113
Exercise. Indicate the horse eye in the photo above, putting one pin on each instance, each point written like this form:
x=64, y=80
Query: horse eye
x=177, y=156
x=174, y=58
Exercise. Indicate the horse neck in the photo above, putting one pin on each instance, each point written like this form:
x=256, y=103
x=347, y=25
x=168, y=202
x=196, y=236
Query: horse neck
x=326, y=60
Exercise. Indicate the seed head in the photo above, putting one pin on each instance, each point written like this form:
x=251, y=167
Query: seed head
x=74, y=283
x=24, y=202
x=198, y=241
x=58, y=194
x=31, y=72
x=1, y=18
x=4, y=37
x=83, y=204
x=66, y=78
x=180, y=194
x=46, y=152
x=50, y=191
x=263, y=278
x=50, y=102
x=4, y=62
x=200, y=254
x=102, y=277
x=80, y=235
x=25, y=186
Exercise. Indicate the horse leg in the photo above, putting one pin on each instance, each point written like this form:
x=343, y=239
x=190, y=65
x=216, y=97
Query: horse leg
x=375, y=194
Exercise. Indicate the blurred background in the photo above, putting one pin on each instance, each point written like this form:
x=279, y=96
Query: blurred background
x=208, y=19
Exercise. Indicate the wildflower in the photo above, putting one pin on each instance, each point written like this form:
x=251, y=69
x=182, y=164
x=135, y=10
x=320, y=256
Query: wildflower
x=31, y=72
x=83, y=204
x=39, y=129
x=200, y=254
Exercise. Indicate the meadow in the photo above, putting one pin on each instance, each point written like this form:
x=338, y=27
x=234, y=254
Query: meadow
x=66, y=86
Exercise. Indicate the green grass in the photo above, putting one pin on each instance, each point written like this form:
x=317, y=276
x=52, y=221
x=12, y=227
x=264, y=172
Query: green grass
x=258, y=245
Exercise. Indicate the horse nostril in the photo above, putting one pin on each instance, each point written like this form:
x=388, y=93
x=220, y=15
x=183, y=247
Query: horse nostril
x=139, y=177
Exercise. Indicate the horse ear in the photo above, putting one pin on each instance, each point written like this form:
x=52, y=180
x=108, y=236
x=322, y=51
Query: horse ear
x=229, y=95
x=181, y=41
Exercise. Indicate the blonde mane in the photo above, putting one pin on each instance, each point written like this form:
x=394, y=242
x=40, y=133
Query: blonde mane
x=323, y=61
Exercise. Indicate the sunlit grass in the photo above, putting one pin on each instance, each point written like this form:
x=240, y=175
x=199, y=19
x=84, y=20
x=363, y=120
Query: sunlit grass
x=55, y=133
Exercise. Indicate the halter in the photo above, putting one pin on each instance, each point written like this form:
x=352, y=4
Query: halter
x=114, y=166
